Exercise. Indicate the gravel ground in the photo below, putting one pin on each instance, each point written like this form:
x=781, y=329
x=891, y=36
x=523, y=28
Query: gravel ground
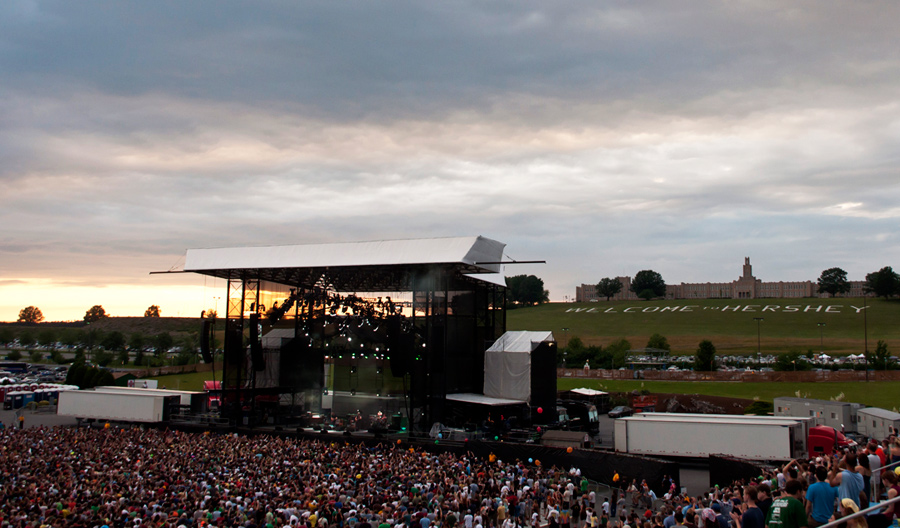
x=34, y=419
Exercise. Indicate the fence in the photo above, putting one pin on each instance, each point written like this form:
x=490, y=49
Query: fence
x=731, y=375
x=177, y=369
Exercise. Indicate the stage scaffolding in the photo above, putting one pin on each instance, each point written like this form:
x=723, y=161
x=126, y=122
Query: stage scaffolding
x=392, y=327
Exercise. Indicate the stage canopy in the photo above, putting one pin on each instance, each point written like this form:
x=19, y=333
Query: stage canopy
x=385, y=265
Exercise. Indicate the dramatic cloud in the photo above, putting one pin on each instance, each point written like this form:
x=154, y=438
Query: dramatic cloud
x=604, y=138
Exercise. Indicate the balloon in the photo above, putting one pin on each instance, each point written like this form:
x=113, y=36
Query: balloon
x=539, y=429
x=436, y=442
x=537, y=462
x=530, y=460
x=540, y=410
x=440, y=435
x=399, y=441
x=569, y=450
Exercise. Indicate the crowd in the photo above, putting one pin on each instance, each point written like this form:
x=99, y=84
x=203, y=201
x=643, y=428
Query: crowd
x=137, y=478
x=802, y=493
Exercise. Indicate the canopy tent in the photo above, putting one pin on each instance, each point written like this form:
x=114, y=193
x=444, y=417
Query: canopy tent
x=508, y=364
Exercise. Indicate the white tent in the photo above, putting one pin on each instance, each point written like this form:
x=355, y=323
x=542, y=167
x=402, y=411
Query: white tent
x=507, y=364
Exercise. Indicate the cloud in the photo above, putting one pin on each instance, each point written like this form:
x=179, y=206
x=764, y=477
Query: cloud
x=606, y=138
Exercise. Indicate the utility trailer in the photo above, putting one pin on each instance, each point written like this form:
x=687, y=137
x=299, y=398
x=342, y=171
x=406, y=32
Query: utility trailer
x=698, y=436
x=195, y=400
x=115, y=407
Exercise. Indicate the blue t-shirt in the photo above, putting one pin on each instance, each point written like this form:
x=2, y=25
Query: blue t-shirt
x=851, y=484
x=822, y=496
x=753, y=518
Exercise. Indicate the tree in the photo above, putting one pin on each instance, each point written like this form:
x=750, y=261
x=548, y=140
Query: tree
x=6, y=336
x=153, y=311
x=94, y=314
x=30, y=314
x=883, y=283
x=57, y=357
x=162, y=343
x=123, y=356
x=14, y=355
x=526, y=290
x=35, y=356
x=618, y=351
x=648, y=280
x=114, y=340
x=881, y=358
x=47, y=338
x=139, y=358
x=793, y=360
x=26, y=339
x=70, y=338
x=659, y=341
x=705, y=359
x=608, y=287
x=136, y=341
x=103, y=357
x=833, y=281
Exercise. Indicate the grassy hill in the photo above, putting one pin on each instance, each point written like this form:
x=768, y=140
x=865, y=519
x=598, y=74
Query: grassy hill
x=728, y=323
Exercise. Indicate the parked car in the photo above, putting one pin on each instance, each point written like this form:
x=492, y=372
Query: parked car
x=620, y=412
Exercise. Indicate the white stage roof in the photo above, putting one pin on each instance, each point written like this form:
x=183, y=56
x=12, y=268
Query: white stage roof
x=468, y=251
x=481, y=399
x=520, y=341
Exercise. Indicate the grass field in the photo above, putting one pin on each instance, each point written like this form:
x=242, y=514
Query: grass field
x=729, y=324
x=884, y=394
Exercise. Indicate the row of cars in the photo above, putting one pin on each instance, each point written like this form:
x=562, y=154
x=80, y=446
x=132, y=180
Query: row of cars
x=18, y=372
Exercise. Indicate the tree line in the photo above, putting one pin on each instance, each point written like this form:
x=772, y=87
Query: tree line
x=104, y=348
x=33, y=314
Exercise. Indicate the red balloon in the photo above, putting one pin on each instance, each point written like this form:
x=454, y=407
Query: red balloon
x=540, y=410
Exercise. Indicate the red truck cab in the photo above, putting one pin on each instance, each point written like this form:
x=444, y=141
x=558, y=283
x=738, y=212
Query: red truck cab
x=824, y=441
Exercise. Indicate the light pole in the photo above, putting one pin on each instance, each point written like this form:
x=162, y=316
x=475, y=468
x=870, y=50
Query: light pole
x=758, y=342
x=566, y=349
x=821, y=337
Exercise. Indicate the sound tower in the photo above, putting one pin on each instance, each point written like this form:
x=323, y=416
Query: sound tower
x=204, y=341
x=398, y=353
x=543, y=376
x=256, y=355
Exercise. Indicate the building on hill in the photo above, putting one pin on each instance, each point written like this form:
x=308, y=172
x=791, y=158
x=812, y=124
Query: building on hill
x=745, y=287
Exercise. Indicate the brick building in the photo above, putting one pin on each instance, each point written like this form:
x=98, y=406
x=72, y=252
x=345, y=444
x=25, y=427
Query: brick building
x=745, y=287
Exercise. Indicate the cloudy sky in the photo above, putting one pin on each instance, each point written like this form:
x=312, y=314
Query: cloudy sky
x=604, y=137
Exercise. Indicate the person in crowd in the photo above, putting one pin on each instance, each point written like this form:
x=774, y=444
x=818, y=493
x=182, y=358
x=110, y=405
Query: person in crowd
x=788, y=511
x=848, y=507
x=820, y=498
x=846, y=476
x=750, y=515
